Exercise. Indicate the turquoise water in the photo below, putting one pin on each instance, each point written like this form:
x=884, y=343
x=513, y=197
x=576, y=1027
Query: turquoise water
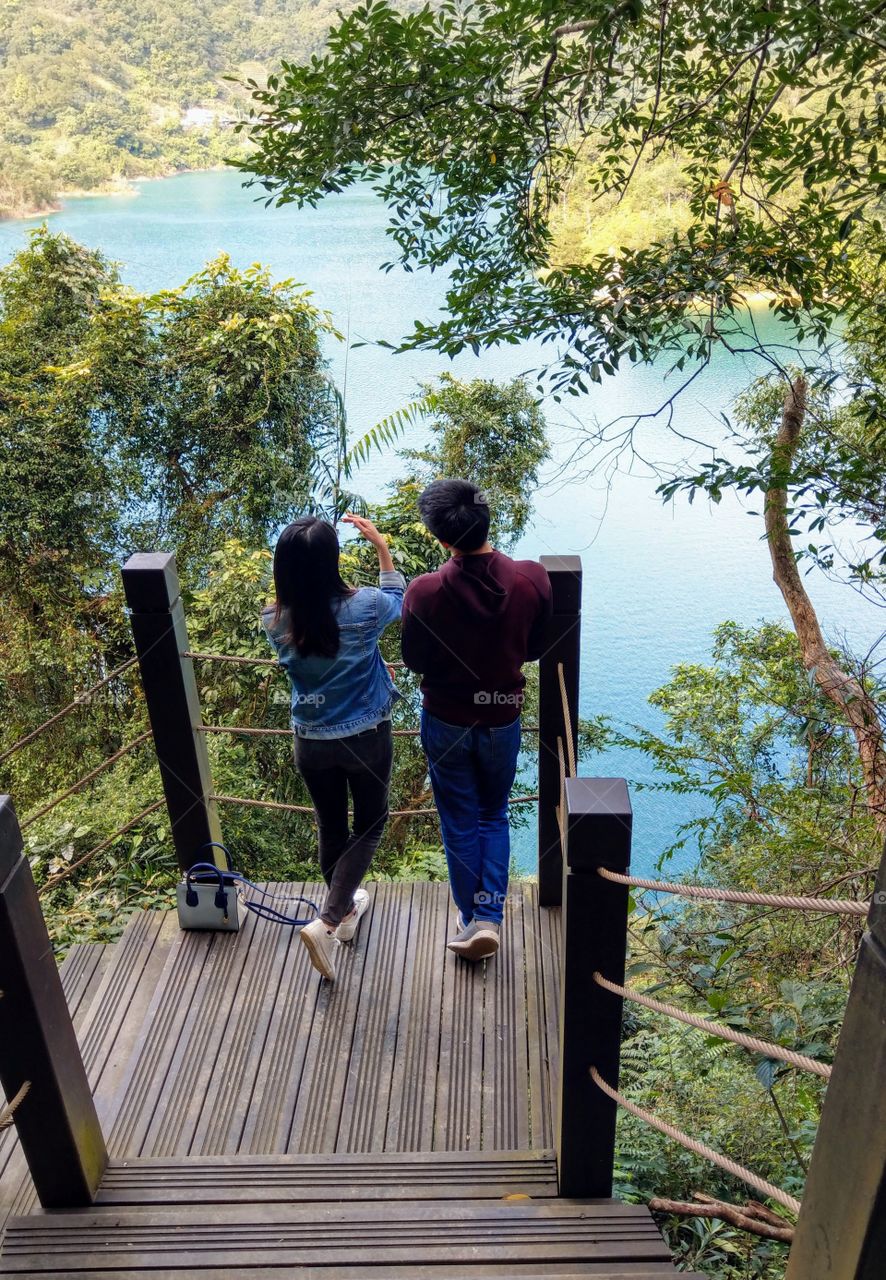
x=657, y=579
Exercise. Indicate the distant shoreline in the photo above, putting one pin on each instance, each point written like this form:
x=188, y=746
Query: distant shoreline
x=128, y=187
x=125, y=187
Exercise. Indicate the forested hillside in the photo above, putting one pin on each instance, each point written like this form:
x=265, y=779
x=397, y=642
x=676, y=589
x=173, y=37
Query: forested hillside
x=93, y=92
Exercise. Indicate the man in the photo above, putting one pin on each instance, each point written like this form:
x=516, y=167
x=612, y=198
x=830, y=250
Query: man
x=467, y=630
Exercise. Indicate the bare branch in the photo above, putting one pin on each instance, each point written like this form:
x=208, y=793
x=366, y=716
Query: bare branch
x=749, y=1218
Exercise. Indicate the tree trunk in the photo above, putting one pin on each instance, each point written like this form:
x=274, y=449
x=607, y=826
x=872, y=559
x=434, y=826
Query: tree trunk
x=843, y=689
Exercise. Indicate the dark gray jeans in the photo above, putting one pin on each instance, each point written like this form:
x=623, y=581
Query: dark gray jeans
x=334, y=769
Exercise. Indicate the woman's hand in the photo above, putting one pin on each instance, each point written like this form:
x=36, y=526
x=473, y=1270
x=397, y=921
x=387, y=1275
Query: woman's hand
x=367, y=528
x=378, y=540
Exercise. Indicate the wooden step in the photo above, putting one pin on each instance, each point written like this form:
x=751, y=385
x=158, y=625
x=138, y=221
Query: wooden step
x=420, y=1238
x=295, y=1179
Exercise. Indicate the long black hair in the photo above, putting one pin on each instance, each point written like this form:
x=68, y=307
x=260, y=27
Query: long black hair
x=307, y=580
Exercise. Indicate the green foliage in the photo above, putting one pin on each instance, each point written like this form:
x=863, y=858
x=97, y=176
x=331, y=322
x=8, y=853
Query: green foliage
x=756, y=736
x=493, y=434
x=655, y=206
x=469, y=121
x=95, y=92
x=181, y=420
x=198, y=419
x=752, y=733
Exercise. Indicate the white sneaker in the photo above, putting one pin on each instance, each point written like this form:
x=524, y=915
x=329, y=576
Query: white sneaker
x=348, y=926
x=477, y=942
x=322, y=944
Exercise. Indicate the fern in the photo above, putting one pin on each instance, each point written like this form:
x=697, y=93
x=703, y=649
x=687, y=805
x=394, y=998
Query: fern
x=385, y=434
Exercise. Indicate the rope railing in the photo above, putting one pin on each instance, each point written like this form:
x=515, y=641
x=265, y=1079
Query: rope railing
x=7, y=1114
x=832, y=906
x=561, y=807
x=306, y=808
x=100, y=848
x=252, y=662
x=290, y=733
x=719, y=1029
x=567, y=721
x=698, y=1148
x=72, y=706
x=87, y=778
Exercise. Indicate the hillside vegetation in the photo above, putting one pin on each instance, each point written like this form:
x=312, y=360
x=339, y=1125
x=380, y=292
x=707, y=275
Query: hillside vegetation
x=95, y=92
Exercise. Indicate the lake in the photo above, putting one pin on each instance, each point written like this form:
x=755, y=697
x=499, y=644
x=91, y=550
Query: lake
x=657, y=579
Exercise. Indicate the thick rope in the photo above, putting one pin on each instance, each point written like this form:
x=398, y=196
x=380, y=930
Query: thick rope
x=834, y=906
x=289, y=733
x=304, y=808
x=232, y=657
x=6, y=1115
x=59, y=715
x=561, y=806
x=279, y=733
x=99, y=848
x=251, y=662
x=567, y=721
x=106, y=764
x=699, y=1148
x=765, y=1047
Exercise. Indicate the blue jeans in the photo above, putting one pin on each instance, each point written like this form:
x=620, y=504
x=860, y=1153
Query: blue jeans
x=472, y=771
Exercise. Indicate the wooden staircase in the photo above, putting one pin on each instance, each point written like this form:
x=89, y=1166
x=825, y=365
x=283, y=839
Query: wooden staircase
x=397, y=1124
x=438, y=1214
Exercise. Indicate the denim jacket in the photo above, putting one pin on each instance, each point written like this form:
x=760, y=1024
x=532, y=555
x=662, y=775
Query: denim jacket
x=340, y=696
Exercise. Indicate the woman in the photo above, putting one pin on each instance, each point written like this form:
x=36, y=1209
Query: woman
x=326, y=636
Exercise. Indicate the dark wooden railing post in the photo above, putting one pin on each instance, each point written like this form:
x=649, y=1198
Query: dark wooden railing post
x=56, y=1120
x=841, y=1231
x=161, y=638
x=562, y=645
x=595, y=921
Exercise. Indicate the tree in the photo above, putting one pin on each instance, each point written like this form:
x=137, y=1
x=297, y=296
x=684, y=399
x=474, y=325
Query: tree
x=469, y=120
x=181, y=420
x=493, y=434
x=850, y=694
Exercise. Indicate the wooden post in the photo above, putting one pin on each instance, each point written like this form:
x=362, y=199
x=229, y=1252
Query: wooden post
x=562, y=645
x=595, y=924
x=56, y=1120
x=841, y=1232
x=161, y=639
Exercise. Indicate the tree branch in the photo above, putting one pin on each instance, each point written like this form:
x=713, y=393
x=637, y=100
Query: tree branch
x=843, y=689
x=752, y=1217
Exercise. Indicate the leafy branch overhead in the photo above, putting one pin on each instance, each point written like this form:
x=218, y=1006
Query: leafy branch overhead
x=469, y=120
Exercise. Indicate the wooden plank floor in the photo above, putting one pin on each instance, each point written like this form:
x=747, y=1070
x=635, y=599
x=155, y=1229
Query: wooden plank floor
x=395, y=1123
x=243, y=1049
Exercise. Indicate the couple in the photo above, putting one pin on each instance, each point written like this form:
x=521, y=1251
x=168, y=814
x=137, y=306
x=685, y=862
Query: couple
x=467, y=630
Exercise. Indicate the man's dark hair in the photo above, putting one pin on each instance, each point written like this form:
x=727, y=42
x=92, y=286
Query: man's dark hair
x=456, y=512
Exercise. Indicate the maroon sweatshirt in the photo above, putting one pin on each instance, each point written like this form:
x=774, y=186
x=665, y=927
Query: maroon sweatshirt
x=468, y=629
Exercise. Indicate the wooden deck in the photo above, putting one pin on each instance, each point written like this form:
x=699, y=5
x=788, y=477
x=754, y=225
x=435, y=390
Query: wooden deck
x=395, y=1123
